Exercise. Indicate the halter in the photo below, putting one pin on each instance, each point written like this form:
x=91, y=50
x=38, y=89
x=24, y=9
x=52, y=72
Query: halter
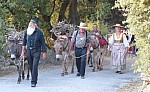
x=66, y=46
x=96, y=46
x=80, y=56
x=98, y=42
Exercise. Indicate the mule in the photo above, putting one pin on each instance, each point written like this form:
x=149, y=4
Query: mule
x=14, y=49
x=96, y=53
x=61, y=46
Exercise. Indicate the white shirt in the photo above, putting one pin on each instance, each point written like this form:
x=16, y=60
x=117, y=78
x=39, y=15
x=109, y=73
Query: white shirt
x=125, y=42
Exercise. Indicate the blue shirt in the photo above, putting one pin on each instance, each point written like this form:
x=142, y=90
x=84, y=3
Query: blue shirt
x=36, y=40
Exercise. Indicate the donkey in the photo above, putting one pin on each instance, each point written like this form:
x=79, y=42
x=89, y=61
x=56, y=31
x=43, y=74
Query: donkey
x=14, y=49
x=96, y=53
x=61, y=46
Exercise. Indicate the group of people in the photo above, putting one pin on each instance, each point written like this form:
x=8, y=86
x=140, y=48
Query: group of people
x=34, y=44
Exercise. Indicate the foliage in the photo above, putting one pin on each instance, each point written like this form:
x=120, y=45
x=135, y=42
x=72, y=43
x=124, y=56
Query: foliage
x=104, y=29
x=19, y=12
x=93, y=10
x=4, y=13
x=138, y=19
x=99, y=10
x=103, y=9
x=1, y=36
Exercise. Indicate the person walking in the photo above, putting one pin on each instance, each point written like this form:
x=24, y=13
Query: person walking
x=102, y=41
x=98, y=34
x=33, y=45
x=119, y=47
x=81, y=42
x=96, y=31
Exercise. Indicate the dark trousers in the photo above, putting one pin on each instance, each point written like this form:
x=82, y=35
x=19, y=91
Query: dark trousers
x=90, y=59
x=33, y=57
x=81, y=62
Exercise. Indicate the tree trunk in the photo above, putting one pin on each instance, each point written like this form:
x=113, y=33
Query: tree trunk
x=73, y=13
x=63, y=10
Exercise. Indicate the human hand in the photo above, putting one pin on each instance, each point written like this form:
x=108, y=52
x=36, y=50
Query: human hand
x=44, y=55
x=22, y=54
x=88, y=52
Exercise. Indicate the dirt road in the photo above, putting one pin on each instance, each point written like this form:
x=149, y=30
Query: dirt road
x=49, y=80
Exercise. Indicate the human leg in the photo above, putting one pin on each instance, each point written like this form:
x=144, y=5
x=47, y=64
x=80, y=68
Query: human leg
x=35, y=67
x=78, y=60
x=83, y=62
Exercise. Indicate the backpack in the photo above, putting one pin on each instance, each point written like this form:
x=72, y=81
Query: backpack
x=102, y=41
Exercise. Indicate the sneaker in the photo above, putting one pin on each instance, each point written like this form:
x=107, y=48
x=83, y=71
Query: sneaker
x=33, y=85
x=82, y=77
x=120, y=72
x=91, y=66
x=117, y=71
x=78, y=74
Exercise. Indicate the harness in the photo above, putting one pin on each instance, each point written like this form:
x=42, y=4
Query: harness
x=96, y=46
x=66, y=46
x=98, y=42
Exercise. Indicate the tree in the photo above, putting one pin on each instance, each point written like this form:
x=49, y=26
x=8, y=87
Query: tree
x=4, y=12
x=62, y=11
x=138, y=19
x=21, y=11
x=73, y=13
x=49, y=12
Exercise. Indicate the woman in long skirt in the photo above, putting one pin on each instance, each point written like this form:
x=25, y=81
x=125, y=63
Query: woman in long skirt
x=119, y=47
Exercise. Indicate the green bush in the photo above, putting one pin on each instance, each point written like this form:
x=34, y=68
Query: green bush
x=138, y=19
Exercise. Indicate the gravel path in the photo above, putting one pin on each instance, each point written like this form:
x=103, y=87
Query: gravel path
x=49, y=80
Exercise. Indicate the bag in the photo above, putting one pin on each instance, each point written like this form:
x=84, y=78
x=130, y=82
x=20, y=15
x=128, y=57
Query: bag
x=102, y=41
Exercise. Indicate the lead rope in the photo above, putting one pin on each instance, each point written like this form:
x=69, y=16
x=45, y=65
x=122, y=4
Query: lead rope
x=23, y=63
x=80, y=56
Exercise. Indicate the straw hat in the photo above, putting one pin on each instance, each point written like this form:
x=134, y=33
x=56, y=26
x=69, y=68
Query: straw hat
x=117, y=25
x=83, y=25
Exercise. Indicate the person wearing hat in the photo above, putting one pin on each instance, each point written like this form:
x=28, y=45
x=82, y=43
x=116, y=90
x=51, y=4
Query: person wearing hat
x=33, y=45
x=81, y=43
x=128, y=35
x=119, y=47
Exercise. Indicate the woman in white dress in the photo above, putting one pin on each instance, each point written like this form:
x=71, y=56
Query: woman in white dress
x=119, y=47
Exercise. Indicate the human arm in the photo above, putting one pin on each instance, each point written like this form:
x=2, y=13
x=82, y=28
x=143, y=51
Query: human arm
x=43, y=46
x=126, y=43
x=110, y=42
x=72, y=42
x=24, y=44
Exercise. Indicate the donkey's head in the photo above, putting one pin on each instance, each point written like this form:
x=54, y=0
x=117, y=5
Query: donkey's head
x=94, y=41
x=14, y=50
x=60, y=45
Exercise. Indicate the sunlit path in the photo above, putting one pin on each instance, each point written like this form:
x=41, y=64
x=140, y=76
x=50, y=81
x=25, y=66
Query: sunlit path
x=51, y=81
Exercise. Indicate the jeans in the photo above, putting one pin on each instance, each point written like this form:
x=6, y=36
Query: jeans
x=81, y=62
x=90, y=59
x=33, y=57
